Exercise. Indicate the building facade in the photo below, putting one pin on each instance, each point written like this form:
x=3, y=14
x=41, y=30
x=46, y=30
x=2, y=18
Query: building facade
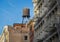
x=18, y=33
x=31, y=29
x=47, y=20
x=2, y=38
x=5, y=34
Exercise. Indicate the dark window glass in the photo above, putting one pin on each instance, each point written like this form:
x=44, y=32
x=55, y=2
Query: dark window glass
x=25, y=37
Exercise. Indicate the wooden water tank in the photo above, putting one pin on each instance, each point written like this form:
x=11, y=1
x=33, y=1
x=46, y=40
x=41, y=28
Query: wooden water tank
x=26, y=12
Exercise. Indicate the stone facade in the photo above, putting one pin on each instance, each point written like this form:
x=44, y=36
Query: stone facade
x=2, y=38
x=18, y=33
x=46, y=21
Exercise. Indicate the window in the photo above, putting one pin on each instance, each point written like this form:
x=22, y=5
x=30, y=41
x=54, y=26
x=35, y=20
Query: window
x=53, y=11
x=30, y=27
x=43, y=21
x=25, y=37
x=54, y=24
x=39, y=6
x=35, y=11
x=56, y=8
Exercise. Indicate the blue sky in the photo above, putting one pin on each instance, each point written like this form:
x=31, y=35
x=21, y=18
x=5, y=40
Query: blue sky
x=11, y=11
